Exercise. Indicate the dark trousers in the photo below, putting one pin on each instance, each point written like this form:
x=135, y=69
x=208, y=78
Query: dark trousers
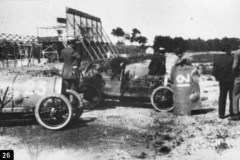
x=236, y=95
x=226, y=87
x=70, y=84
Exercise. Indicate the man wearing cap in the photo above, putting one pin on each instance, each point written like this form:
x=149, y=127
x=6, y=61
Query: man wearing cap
x=70, y=72
x=157, y=65
x=182, y=59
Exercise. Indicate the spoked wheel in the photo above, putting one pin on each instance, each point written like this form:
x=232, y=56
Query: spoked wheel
x=77, y=104
x=162, y=99
x=92, y=96
x=53, y=111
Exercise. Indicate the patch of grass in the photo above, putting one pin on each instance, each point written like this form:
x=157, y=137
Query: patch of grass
x=222, y=146
x=34, y=149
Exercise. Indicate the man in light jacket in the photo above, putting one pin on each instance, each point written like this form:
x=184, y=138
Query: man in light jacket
x=236, y=88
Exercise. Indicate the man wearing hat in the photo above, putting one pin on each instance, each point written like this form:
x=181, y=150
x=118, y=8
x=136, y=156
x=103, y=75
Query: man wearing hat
x=72, y=61
x=157, y=65
x=182, y=59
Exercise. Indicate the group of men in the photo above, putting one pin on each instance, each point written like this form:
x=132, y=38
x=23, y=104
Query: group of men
x=226, y=70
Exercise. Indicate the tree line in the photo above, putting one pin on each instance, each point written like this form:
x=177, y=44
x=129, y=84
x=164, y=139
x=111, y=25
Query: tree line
x=170, y=44
x=196, y=45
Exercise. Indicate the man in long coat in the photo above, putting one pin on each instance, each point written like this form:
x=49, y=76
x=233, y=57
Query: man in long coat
x=222, y=71
x=157, y=65
x=72, y=62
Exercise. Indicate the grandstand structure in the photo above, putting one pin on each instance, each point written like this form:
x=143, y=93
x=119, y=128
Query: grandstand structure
x=81, y=28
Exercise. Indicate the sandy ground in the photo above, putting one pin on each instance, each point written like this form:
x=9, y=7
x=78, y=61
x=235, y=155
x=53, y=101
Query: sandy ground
x=127, y=131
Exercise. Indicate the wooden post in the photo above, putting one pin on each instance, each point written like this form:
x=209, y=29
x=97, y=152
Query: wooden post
x=14, y=54
x=32, y=55
x=7, y=56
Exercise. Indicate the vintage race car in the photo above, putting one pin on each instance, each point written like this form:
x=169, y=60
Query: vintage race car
x=119, y=78
x=38, y=93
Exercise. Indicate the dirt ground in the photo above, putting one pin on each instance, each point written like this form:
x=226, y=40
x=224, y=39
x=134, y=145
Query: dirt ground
x=128, y=131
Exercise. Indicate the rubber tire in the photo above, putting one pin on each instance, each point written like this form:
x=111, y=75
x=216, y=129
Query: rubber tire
x=100, y=95
x=79, y=110
x=152, y=100
x=55, y=95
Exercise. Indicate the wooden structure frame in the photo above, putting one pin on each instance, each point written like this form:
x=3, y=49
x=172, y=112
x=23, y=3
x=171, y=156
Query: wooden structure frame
x=88, y=29
x=81, y=27
x=14, y=47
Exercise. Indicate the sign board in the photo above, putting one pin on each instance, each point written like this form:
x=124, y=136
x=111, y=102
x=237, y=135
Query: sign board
x=84, y=25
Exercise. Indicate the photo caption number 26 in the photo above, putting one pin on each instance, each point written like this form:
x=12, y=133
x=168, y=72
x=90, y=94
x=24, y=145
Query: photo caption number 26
x=40, y=90
x=6, y=154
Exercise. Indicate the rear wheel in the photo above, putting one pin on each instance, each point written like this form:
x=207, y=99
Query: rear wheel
x=162, y=99
x=92, y=96
x=53, y=111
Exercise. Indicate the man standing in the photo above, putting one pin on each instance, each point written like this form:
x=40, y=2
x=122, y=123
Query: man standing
x=185, y=79
x=181, y=57
x=72, y=62
x=222, y=71
x=157, y=65
x=236, y=89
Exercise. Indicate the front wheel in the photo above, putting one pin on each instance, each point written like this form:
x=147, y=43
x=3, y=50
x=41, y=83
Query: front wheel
x=162, y=99
x=53, y=111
